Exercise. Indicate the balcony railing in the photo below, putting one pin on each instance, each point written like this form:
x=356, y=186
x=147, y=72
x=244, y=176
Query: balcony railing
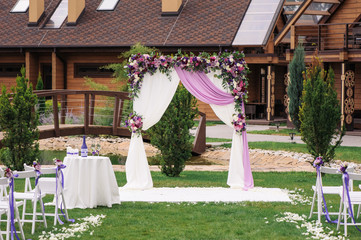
x=326, y=37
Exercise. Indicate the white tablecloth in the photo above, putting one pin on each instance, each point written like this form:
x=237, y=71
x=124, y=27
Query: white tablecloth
x=89, y=182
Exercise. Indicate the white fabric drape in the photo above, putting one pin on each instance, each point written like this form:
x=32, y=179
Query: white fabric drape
x=155, y=95
x=236, y=169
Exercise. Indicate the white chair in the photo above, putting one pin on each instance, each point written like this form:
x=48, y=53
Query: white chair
x=35, y=195
x=5, y=208
x=345, y=208
x=48, y=186
x=335, y=190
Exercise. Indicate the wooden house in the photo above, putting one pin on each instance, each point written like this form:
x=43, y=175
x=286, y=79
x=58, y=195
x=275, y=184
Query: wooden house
x=66, y=40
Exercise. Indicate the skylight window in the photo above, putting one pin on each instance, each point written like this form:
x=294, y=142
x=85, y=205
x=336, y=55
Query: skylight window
x=59, y=16
x=107, y=5
x=258, y=22
x=21, y=6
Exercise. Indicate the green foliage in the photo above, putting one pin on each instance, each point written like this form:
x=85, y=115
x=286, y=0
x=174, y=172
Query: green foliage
x=19, y=122
x=120, y=73
x=297, y=68
x=320, y=112
x=171, y=134
x=41, y=103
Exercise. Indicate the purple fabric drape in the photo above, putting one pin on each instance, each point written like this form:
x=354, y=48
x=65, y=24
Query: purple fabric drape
x=248, y=177
x=199, y=85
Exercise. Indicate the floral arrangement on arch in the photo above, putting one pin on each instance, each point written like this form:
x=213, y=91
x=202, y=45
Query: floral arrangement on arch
x=231, y=66
x=134, y=123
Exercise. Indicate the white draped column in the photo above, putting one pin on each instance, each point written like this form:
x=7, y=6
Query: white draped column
x=156, y=93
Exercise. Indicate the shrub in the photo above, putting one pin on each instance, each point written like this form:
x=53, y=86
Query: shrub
x=171, y=134
x=297, y=68
x=320, y=112
x=19, y=121
x=41, y=102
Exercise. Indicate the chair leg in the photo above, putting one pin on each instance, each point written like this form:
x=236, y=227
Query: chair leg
x=358, y=212
x=319, y=207
x=8, y=225
x=24, y=211
x=339, y=215
x=56, y=210
x=43, y=212
x=20, y=225
x=345, y=218
x=34, y=216
x=313, y=204
x=65, y=210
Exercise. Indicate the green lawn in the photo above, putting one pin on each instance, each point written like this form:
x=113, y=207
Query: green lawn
x=281, y=132
x=352, y=154
x=248, y=220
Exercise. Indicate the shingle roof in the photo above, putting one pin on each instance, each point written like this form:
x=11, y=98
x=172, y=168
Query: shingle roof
x=201, y=23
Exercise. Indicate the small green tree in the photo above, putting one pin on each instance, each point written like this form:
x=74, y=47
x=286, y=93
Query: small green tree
x=295, y=87
x=19, y=121
x=320, y=112
x=171, y=134
x=40, y=86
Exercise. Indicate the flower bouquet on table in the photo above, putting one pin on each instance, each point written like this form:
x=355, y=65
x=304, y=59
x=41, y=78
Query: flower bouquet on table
x=134, y=123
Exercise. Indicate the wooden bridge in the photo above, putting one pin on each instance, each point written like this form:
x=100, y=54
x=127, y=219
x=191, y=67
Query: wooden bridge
x=83, y=105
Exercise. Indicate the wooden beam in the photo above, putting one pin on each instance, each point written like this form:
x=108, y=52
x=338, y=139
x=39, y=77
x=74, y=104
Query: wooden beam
x=309, y=12
x=315, y=1
x=293, y=20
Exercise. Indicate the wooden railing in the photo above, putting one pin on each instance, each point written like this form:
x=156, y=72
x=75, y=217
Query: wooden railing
x=60, y=128
x=326, y=37
x=88, y=106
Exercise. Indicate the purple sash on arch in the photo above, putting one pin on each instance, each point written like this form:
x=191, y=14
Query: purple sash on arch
x=200, y=86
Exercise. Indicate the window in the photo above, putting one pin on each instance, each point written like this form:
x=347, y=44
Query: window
x=59, y=16
x=21, y=6
x=258, y=22
x=10, y=69
x=94, y=70
x=107, y=5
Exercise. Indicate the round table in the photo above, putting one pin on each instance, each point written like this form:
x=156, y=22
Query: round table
x=89, y=182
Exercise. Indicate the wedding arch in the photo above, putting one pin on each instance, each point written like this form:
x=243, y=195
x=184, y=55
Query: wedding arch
x=219, y=80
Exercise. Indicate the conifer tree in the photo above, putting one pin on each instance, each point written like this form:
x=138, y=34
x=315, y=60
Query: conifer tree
x=19, y=122
x=295, y=87
x=320, y=112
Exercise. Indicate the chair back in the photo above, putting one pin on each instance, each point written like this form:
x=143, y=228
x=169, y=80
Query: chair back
x=2, y=172
x=27, y=167
x=25, y=174
x=329, y=170
x=355, y=176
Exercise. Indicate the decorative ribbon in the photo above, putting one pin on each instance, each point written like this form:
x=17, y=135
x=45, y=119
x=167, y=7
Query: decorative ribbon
x=324, y=210
x=59, y=169
x=12, y=207
x=350, y=212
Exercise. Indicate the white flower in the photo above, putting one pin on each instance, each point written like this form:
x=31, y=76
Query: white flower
x=236, y=97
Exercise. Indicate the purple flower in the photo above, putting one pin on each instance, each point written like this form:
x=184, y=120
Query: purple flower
x=318, y=161
x=343, y=167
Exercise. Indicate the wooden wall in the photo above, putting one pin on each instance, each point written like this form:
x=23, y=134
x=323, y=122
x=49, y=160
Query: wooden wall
x=10, y=58
x=347, y=12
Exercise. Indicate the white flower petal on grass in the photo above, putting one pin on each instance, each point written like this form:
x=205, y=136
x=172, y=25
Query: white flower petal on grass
x=314, y=230
x=76, y=229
